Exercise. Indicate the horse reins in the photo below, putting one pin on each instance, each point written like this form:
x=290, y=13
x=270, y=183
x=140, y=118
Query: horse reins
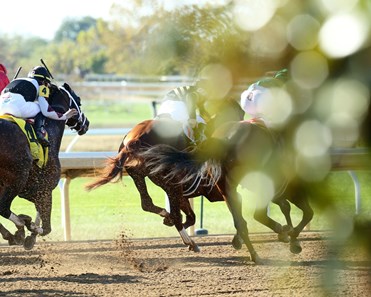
x=81, y=118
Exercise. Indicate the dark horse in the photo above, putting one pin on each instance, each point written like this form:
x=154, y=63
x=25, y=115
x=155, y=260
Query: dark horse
x=163, y=131
x=238, y=149
x=20, y=176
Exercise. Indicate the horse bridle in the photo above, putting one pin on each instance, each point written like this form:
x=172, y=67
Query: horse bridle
x=81, y=120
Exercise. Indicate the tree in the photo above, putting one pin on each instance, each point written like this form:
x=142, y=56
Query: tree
x=71, y=28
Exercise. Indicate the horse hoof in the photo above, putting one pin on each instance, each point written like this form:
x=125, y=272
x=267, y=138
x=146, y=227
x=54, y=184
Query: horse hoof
x=295, y=247
x=168, y=222
x=283, y=237
x=11, y=240
x=194, y=248
x=256, y=259
x=19, y=236
x=29, y=242
x=236, y=242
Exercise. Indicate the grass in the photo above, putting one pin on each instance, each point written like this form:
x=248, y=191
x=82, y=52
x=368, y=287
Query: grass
x=108, y=114
x=115, y=208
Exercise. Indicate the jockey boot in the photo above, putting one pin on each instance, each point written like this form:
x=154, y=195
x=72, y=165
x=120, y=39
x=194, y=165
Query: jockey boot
x=40, y=131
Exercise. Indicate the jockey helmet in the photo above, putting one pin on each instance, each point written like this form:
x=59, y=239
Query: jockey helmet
x=39, y=73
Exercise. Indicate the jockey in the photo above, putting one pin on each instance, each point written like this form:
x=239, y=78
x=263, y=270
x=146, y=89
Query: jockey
x=28, y=98
x=4, y=80
x=254, y=95
x=187, y=105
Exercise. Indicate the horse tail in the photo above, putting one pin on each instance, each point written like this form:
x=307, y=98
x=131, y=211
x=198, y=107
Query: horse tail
x=113, y=170
x=180, y=166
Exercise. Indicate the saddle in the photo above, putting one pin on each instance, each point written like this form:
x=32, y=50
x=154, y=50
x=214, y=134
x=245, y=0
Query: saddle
x=39, y=154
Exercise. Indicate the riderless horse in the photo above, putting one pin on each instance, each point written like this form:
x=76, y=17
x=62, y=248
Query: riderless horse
x=20, y=173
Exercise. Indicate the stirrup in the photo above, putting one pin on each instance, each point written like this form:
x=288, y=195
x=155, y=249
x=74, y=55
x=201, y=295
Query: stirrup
x=42, y=140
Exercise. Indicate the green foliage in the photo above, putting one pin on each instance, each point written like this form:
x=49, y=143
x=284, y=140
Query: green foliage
x=71, y=28
x=18, y=51
x=152, y=41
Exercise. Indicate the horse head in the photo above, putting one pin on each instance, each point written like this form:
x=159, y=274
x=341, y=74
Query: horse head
x=80, y=122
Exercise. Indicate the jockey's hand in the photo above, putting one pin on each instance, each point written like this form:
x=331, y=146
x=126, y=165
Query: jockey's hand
x=70, y=113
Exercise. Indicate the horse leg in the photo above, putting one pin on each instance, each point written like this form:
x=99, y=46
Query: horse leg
x=185, y=206
x=307, y=210
x=173, y=195
x=234, y=203
x=43, y=204
x=6, y=200
x=146, y=200
x=261, y=216
x=237, y=240
x=7, y=235
x=35, y=229
x=19, y=235
x=285, y=209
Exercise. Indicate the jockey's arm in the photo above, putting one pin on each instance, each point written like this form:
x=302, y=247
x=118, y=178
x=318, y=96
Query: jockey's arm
x=49, y=112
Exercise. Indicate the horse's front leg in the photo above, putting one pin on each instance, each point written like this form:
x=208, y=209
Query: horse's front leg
x=43, y=204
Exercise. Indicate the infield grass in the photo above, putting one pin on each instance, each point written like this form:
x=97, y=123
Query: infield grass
x=113, y=209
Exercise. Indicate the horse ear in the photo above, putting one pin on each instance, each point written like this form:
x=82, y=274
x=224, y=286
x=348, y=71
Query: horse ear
x=67, y=87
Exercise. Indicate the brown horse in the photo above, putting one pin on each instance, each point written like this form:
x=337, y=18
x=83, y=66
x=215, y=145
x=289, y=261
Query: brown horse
x=20, y=176
x=162, y=131
x=238, y=150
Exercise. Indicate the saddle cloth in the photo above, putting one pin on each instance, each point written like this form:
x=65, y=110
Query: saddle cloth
x=39, y=154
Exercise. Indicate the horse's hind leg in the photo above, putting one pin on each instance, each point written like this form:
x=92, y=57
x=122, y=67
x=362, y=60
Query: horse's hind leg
x=285, y=209
x=173, y=195
x=7, y=235
x=303, y=204
x=234, y=203
x=261, y=216
x=5, y=203
x=185, y=206
x=146, y=200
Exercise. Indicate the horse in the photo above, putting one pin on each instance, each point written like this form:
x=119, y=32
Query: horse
x=20, y=176
x=238, y=149
x=162, y=130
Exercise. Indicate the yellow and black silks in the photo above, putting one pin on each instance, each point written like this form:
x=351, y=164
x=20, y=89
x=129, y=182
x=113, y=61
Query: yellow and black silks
x=38, y=153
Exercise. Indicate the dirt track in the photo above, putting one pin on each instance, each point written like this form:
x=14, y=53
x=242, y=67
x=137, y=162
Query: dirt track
x=164, y=267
